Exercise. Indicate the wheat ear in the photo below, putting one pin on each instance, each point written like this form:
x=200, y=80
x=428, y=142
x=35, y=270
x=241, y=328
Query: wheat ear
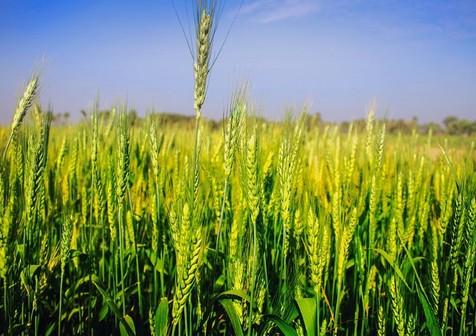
x=23, y=106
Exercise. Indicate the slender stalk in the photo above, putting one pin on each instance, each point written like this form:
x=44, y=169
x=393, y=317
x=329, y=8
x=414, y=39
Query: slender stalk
x=60, y=311
x=253, y=277
x=139, y=289
x=121, y=258
x=5, y=303
x=222, y=211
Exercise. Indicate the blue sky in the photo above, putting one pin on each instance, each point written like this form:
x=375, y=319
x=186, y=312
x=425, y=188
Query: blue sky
x=415, y=58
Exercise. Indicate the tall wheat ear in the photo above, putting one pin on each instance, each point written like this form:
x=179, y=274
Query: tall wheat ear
x=23, y=106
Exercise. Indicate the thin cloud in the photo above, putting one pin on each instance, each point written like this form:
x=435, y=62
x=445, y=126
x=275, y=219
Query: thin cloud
x=267, y=11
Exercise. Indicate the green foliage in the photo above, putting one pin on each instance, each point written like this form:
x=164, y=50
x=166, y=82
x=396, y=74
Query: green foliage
x=125, y=226
x=317, y=228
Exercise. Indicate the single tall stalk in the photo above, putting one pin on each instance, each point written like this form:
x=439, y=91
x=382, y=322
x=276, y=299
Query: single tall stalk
x=123, y=175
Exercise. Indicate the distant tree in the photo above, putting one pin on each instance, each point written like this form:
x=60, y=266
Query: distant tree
x=435, y=128
x=314, y=120
x=453, y=125
x=450, y=123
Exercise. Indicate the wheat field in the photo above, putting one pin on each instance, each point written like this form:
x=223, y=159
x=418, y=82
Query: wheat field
x=258, y=228
x=138, y=226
